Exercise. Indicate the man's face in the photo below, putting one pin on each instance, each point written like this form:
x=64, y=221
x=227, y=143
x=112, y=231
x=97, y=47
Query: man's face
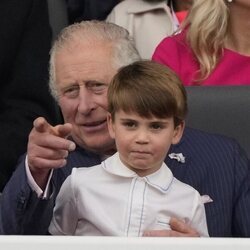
x=82, y=77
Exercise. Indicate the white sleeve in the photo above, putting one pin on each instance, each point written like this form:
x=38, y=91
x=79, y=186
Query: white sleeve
x=65, y=214
x=111, y=18
x=199, y=221
x=33, y=185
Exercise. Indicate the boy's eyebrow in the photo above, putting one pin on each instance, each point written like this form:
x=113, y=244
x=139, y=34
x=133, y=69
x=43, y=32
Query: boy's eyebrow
x=155, y=121
x=160, y=122
x=127, y=119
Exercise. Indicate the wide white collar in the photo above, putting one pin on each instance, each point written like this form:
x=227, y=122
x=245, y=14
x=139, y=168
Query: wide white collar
x=160, y=180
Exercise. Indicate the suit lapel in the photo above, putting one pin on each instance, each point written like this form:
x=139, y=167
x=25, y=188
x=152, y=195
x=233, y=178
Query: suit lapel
x=178, y=168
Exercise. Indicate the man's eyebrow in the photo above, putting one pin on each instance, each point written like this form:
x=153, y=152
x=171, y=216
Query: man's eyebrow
x=94, y=82
x=86, y=83
x=69, y=85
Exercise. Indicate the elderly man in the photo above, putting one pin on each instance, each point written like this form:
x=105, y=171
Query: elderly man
x=83, y=61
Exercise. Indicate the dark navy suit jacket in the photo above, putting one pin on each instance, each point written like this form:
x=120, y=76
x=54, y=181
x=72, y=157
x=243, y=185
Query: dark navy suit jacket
x=214, y=165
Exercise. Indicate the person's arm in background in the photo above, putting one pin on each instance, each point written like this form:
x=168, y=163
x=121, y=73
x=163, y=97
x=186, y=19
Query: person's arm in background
x=25, y=41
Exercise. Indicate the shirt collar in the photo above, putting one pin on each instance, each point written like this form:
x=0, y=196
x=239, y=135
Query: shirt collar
x=140, y=6
x=160, y=180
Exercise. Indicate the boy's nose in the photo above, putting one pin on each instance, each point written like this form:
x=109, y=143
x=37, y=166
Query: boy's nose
x=142, y=137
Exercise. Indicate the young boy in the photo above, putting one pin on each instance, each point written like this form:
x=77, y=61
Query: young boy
x=133, y=191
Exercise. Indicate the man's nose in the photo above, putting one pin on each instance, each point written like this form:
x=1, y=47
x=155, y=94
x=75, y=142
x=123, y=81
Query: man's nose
x=86, y=101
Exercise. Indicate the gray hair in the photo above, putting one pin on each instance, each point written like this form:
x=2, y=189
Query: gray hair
x=124, y=51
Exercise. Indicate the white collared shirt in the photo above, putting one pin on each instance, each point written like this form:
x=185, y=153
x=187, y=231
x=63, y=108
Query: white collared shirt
x=110, y=199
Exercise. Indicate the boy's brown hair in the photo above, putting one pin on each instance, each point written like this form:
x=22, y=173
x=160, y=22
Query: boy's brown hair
x=148, y=89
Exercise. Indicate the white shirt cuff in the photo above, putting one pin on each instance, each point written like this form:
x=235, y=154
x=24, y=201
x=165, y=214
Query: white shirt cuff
x=33, y=185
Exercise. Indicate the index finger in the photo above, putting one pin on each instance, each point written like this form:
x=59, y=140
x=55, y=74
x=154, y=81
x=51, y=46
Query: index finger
x=42, y=126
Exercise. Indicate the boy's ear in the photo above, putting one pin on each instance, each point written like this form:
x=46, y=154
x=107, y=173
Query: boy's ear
x=110, y=126
x=178, y=132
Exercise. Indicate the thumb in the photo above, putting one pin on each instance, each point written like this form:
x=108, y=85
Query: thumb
x=63, y=130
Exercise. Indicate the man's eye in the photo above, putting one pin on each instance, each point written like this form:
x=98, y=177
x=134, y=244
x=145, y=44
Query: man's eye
x=97, y=87
x=71, y=92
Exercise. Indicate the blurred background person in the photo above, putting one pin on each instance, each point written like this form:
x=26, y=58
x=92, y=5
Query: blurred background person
x=180, y=9
x=214, y=45
x=79, y=10
x=65, y=12
x=25, y=40
x=149, y=21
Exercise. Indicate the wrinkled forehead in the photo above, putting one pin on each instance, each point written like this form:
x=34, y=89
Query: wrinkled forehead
x=86, y=52
x=84, y=62
x=88, y=45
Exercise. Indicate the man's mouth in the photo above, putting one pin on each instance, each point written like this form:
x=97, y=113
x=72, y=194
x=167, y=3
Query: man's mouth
x=94, y=126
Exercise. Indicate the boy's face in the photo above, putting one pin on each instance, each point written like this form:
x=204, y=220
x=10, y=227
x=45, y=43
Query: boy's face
x=143, y=143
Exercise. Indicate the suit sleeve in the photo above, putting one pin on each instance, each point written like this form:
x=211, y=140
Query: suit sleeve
x=241, y=215
x=22, y=212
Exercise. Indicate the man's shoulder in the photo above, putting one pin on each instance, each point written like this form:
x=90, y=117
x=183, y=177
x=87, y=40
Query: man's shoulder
x=192, y=133
x=205, y=144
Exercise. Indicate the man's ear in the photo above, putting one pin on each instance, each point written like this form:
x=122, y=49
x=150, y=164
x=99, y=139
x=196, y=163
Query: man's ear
x=110, y=126
x=178, y=132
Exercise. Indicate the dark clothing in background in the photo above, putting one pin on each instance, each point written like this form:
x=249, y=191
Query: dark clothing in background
x=25, y=41
x=79, y=10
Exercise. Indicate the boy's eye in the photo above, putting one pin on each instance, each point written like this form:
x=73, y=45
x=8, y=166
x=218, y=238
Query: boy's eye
x=129, y=124
x=156, y=126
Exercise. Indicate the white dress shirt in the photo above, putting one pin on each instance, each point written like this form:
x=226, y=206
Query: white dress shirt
x=111, y=200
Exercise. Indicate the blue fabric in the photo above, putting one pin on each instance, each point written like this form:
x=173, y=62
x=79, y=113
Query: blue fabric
x=214, y=165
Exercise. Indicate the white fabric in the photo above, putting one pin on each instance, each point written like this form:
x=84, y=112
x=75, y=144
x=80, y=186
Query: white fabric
x=110, y=199
x=148, y=23
x=33, y=185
